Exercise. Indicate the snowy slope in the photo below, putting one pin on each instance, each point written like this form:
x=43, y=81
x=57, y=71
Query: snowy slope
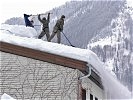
x=116, y=50
x=111, y=85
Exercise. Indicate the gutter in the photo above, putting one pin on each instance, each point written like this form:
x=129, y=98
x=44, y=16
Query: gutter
x=87, y=74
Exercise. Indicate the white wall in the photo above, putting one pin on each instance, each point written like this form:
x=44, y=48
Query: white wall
x=92, y=88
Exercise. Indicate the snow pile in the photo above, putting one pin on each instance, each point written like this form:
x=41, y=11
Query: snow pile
x=114, y=89
x=6, y=97
x=19, y=30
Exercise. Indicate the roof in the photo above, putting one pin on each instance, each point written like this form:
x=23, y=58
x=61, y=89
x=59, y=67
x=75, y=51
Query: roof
x=51, y=58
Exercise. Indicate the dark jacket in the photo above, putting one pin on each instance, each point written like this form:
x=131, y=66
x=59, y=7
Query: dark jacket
x=59, y=24
x=27, y=21
x=44, y=21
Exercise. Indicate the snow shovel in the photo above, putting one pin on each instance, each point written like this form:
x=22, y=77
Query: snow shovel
x=68, y=40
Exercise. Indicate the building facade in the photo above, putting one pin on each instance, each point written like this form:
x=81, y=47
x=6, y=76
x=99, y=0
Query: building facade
x=27, y=74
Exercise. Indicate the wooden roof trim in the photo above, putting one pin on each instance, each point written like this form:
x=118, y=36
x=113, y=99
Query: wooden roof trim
x=43, y=56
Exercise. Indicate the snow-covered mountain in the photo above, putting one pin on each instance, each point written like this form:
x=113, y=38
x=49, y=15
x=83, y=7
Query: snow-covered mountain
x=105, y=27
x=15, y=21
x=117, y=49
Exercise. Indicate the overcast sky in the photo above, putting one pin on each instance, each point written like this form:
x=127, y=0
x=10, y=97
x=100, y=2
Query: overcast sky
x=16, y=8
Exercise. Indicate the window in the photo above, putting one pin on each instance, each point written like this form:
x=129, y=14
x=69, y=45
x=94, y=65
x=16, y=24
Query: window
x=91, y=97
x=83, y=94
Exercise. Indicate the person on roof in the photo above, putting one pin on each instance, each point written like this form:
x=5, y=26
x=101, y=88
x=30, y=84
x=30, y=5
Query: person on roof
x=58, y=28
x=45, y=28
x=27, y=21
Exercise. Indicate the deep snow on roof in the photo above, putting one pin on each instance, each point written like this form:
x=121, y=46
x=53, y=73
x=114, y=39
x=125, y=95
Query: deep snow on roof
x=115, y=89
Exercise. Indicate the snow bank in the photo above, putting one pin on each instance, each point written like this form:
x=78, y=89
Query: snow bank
x=114, y=89
x=19, y=30
x=6, y=97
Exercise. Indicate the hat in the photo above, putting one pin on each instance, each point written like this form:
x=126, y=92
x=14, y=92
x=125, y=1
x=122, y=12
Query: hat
x=63, y=16
x=44, y=18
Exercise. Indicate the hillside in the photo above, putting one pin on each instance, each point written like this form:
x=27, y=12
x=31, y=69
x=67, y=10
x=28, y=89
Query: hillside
x=116, y=50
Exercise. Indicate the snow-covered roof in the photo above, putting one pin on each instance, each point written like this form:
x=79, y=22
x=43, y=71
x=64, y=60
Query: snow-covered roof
x=38, y=44
x=110, y=83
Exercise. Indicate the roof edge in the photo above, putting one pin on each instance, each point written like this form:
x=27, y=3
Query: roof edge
x=51, y=58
